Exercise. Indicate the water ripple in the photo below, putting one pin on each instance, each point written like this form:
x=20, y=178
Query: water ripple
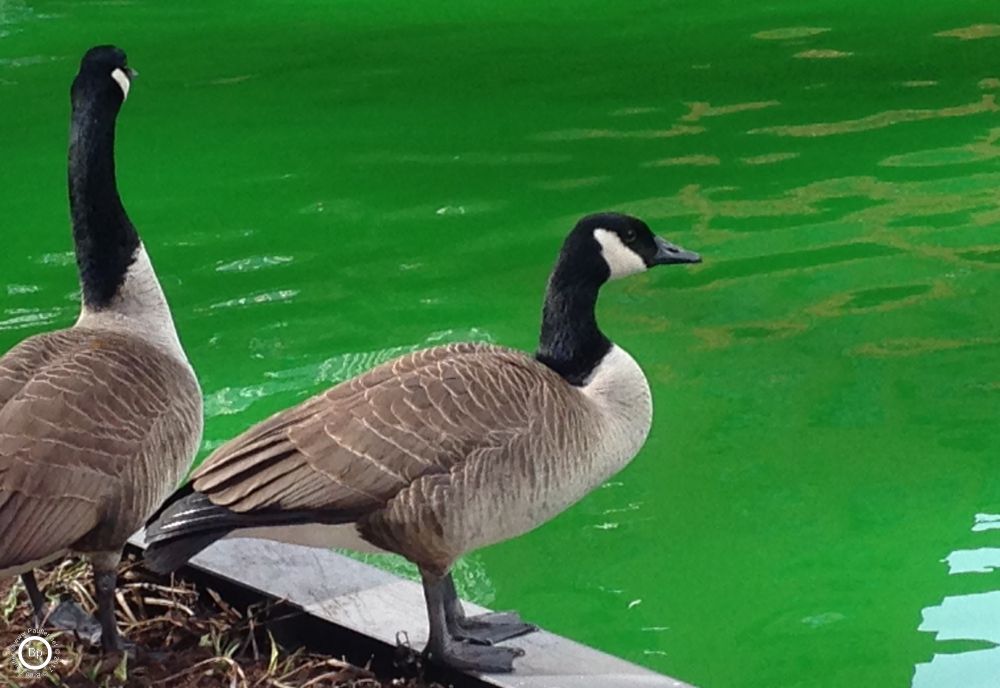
x=263, y=297
x=21, y=318
x=252, y=263
x=588, y=134
x=699, y=110
x=822, y=54
x=692, y=160
x=789, y=32
x=882, y=119
x=972, y=33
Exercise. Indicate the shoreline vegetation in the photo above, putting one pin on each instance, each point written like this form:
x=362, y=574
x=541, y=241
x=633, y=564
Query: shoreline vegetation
x=189, y=635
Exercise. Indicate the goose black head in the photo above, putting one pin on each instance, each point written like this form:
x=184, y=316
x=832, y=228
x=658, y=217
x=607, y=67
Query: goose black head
x=104, y=76
x=609, y=246
x=601, y=247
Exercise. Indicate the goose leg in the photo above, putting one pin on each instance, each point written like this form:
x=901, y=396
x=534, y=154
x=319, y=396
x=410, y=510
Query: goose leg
x=442, y=647
x=105, y=582
x=36, y=597
x=485, y=629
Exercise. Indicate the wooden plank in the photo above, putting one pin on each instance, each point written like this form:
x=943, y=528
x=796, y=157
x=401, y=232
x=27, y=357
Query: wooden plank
x=379, y=605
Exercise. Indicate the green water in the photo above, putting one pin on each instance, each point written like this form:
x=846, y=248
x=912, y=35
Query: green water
x=325, y=184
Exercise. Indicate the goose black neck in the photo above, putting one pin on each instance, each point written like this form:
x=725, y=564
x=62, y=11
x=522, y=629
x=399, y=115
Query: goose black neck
x=105, y=239
x=571, y=343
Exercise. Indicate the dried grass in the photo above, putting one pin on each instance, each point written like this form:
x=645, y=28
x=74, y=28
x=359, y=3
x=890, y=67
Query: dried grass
x=191, y=638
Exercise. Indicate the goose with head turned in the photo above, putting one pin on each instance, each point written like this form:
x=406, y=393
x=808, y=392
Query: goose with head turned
x=98, y=422
x=444, y=450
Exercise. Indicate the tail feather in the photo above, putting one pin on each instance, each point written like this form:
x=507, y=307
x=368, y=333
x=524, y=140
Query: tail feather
x=189, y=522
x=193, y=513
x=167, y=556
x=185, y=525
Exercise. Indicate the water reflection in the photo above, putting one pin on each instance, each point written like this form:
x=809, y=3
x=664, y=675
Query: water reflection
x=986, y=103
x=12, y=14
x=694, y=160
x=588, y=134
x=981, y=149
x=822, y=54
x=789, y=33
x=701, y=109
x=769, y=158
x=972, y=33
x=969, y=618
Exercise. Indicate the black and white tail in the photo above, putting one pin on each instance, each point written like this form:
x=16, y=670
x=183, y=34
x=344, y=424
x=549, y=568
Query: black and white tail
x=189, y=522
x=184, y=526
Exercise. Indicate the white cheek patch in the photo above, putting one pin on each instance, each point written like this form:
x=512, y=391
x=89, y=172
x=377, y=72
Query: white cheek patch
x=621, y=260
x=123, y=81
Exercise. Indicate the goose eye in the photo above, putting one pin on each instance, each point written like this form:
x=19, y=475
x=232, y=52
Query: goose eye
x=629, y=236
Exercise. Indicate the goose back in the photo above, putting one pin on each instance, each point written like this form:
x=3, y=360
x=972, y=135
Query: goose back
x=96, y=428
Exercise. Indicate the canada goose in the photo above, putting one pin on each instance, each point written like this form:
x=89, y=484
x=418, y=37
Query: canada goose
x=98, y=422
x=444, y=450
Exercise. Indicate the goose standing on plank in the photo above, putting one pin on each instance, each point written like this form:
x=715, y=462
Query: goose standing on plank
x=445, y=450
x=98, y=422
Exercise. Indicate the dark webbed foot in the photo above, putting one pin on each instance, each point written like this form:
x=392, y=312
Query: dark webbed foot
x=488, y=659
x=487, y=629
x=448, y=624
x=69, y=617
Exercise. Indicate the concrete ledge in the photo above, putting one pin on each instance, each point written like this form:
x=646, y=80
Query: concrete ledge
x=378, y=605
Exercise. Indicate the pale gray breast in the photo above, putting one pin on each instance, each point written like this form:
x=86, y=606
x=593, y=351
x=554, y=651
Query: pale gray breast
x=101, y=429
x=619, y=391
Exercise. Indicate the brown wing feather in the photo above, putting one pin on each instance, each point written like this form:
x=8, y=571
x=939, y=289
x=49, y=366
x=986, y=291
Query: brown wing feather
x=356, y=446
x=80, y=437
x=20, y=363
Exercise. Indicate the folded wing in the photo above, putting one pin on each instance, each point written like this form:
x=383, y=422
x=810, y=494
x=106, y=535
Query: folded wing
x=353, y=448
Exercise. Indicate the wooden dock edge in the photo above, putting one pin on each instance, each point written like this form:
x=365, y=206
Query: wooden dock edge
x=377, y=605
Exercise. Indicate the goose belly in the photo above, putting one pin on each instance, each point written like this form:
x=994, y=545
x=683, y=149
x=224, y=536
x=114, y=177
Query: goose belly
x=320, y=536
x=31, y=565
x=521, y=505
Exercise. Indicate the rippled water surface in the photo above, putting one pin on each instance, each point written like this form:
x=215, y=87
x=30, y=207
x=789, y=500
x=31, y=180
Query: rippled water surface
x=323, y=185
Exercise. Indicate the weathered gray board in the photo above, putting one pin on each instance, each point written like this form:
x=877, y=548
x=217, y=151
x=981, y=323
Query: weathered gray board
x=379, y=605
